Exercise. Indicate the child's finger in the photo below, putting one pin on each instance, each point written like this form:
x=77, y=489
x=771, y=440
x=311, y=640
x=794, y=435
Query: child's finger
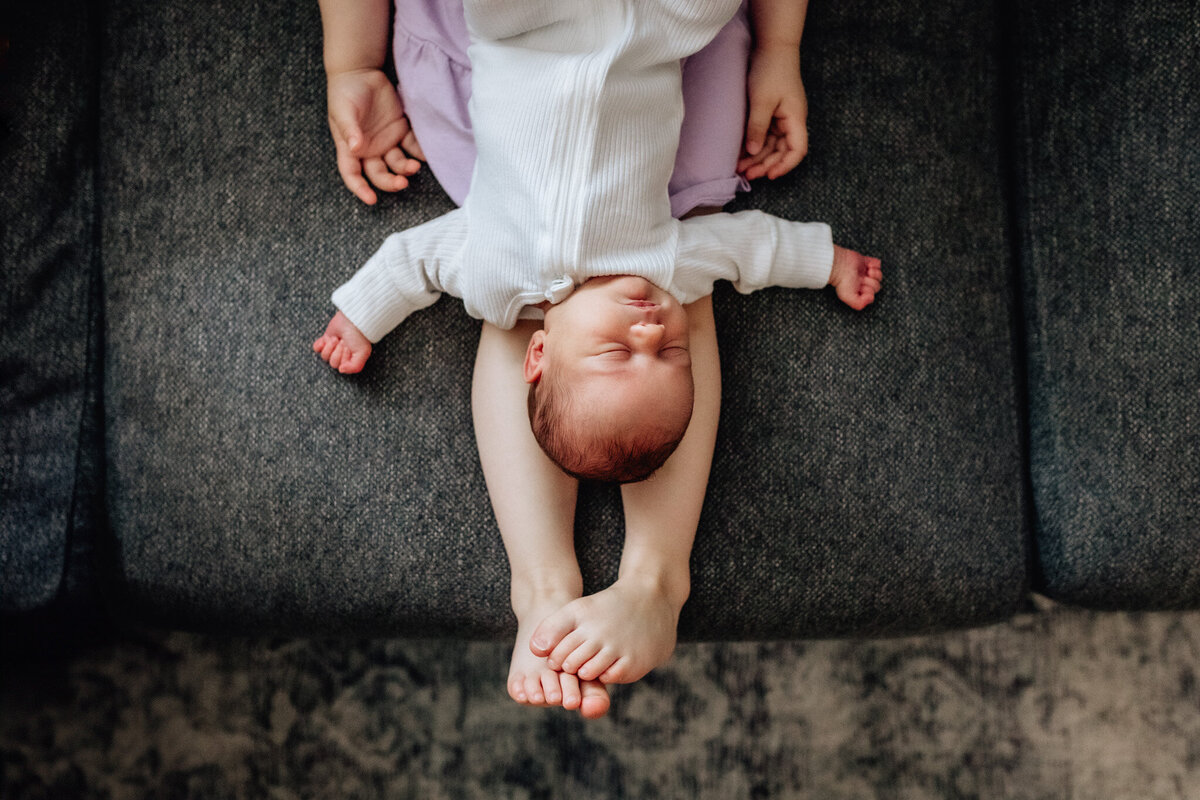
x=796, y=137
x=766, y=166
x=785, y=163
x=757, y=125
x=748, y=163
x=399, y=163
x=354, y=138
x=382, y=177
x=411, y=146
x=350, y=168
x=346, y=132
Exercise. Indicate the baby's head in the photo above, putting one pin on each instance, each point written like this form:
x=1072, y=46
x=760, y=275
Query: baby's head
x=610, y=379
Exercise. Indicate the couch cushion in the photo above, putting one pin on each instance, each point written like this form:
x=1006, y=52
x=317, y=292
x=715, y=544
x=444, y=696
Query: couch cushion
x=49, y=477
x=868, y=474
x=1109, y=109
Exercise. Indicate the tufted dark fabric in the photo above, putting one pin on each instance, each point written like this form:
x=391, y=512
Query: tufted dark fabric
x=868, y=473
x=1109, y=122
x=51, y=462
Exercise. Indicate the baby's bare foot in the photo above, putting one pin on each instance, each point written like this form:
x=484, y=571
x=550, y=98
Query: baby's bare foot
x=615, y=636
x=343, y=346
x=531, y=680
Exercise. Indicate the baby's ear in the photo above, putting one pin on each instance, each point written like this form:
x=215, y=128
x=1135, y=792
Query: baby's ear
x=534, y=355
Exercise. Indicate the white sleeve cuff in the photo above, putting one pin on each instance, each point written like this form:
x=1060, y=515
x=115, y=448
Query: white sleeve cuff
x=405, y=275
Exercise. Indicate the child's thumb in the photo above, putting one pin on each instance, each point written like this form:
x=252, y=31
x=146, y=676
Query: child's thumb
x=353, y=135
x=756, y=130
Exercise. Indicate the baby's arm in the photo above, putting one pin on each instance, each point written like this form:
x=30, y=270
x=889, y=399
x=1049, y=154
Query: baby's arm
x=402, y=277
x=777, y=127
x=754, y=250
x=370, y=131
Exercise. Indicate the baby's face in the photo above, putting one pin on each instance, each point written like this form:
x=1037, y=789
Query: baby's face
x=623, y=341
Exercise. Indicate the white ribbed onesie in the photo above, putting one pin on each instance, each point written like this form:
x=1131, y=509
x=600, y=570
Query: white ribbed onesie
x=576, y=107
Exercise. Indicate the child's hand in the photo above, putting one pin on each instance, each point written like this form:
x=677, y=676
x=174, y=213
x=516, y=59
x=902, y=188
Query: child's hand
x=371, y=133
x=855, y=277
x=777, y=127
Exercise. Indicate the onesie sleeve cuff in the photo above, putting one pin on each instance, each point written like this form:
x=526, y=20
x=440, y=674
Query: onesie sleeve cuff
x=405, y=275
x=752, y=250
x=372, y=301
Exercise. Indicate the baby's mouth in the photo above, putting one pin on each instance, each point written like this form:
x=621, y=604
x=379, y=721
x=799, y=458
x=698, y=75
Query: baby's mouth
x=642, y=304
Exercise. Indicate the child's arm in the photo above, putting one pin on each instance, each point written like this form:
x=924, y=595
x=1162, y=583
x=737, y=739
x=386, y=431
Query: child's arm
x=370, y=131
x=777, y=127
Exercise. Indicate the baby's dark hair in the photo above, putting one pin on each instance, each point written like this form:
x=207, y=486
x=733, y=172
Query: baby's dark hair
x=587, y=451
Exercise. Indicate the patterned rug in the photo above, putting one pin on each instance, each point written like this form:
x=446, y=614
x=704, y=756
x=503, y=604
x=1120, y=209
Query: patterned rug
x=1059, y=704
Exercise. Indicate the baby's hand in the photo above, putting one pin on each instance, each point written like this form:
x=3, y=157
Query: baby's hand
x=343, y=346
x=371, y=133
x=777, y=128
x=855, y=277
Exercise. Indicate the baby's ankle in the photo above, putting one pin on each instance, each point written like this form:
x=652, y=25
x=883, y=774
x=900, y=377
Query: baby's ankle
x=673, y=585
x=536, y=595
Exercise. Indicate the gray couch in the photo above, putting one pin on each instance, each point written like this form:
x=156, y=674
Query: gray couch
x=1018, y=412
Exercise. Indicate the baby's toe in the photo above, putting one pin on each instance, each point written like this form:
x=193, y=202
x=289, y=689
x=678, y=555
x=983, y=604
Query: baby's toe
x=533, y=691
x=617, y=673
x=551, y=690
x=551, y=632
x=595, y=701
x=563, y=650
x=571, y=695
x=597, y=665
x=578, y=657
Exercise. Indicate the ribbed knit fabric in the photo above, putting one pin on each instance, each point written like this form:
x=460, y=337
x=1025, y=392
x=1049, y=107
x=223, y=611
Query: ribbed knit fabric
x=576, y=109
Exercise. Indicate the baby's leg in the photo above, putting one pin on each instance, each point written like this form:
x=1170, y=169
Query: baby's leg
x=343, y=346
x=534, y=503
x=623, y=632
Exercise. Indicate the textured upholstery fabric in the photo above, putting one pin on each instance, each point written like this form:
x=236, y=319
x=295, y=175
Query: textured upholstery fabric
x=51, y=459
x=1110, y=122
x=868, y=475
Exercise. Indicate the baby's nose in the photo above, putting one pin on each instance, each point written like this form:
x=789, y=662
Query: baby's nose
x=647, y=334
